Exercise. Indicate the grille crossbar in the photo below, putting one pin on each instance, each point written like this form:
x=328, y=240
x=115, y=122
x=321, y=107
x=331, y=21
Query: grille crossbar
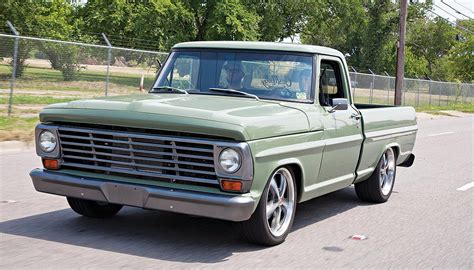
x=131, y=154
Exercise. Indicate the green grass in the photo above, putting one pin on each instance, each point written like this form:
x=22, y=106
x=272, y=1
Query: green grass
x=11, y=122
x=462, y=107
x=29, y=99
x=17, y=128
x=37, y=78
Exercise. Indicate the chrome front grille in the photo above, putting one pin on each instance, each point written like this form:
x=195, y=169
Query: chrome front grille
x=138, y=155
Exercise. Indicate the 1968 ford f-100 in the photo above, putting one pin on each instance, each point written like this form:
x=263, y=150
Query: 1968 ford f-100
x=241, y=131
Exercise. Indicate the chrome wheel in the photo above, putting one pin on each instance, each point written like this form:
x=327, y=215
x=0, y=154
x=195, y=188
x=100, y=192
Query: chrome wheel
x=387, y=172
x=280, y=202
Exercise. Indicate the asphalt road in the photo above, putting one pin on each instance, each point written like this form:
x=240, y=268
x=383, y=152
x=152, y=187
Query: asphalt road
x=426, y=223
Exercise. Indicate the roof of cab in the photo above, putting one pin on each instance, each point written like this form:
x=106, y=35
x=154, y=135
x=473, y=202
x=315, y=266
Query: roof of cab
x=258, y=45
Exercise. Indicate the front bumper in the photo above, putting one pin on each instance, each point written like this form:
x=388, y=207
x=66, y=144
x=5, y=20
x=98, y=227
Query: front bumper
x=227, y=207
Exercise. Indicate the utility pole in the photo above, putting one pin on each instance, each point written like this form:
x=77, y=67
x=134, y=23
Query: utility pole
x=401, y=53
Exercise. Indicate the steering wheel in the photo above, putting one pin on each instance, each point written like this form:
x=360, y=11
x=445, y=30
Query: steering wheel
x=186, y=85
x=283, y=93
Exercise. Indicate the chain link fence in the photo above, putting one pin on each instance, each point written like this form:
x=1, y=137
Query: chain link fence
x=51, y=71
x=378, y=89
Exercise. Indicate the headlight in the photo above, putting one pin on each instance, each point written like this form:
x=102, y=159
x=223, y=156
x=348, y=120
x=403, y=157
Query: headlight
x=230, y=160
x=47, y=141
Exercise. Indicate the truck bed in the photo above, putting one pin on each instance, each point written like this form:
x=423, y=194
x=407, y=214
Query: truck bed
x=385, y=126
x=371, y=106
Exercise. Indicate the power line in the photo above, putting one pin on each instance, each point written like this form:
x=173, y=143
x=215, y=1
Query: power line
x=454, y=24
x=446, y=11
x=457, y=11
x=463, y=6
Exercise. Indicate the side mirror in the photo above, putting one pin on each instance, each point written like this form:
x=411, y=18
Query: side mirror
x=339, y=104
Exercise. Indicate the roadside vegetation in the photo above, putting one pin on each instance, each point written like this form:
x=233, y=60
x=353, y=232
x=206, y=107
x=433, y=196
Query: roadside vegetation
x=461, y=107
x=29, y=99
x=43, y=78
x=16, y=128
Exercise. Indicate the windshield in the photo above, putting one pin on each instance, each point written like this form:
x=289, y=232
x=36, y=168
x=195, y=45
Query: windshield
x=267, y=75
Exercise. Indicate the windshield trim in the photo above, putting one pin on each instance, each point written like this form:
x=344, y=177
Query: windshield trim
x=238, y=96
x=310, y=100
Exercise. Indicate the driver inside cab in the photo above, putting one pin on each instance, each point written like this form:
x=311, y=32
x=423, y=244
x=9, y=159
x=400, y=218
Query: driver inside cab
x=234, y=75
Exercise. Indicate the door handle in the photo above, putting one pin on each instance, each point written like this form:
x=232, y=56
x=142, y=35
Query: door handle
x=356, y=116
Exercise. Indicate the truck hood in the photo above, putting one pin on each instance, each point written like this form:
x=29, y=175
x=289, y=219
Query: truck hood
x=238, y=118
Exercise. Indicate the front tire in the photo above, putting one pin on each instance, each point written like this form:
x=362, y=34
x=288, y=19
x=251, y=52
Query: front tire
x=272, y=220
x=379, y=186
x=92, y=208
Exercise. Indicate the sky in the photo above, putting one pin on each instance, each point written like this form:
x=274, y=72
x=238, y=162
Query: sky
x=466, y=7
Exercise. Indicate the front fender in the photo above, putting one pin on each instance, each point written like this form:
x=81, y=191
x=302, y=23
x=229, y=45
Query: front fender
x=301, y=150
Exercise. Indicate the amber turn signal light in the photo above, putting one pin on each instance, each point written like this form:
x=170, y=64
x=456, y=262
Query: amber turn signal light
x=51, y=164
x=230, y=185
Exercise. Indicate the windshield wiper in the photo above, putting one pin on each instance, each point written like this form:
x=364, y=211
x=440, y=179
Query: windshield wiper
x=233, y=91
x=170, y=88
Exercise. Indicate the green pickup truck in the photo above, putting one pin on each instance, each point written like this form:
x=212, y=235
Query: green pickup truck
x=240, y=131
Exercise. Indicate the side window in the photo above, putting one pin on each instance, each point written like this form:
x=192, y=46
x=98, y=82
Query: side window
x=185, y=73
x=330, y=82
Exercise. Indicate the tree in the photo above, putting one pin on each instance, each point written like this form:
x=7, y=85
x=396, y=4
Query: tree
x=431, y=39
x=153, y=25
x=230, y=20
x=461, y=55
x=21, y=14
x=339, y=24
x=415, y=65
x=223, y=20
x=172, y=23
x=55, y=20
x=380, y=35
x=112, y=16
x=281, y=19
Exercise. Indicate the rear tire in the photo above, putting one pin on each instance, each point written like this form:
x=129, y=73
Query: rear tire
x=92, y=208
x=378, y=188
x=272, y=220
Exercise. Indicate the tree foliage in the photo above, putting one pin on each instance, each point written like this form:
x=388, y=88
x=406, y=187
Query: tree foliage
x=461, y=56
x=54, y=19
x=282, y=19
x=230, y=20
x=21, y=15
x=365, y=31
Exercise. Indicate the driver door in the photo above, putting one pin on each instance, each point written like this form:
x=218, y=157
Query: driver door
x=342, y=130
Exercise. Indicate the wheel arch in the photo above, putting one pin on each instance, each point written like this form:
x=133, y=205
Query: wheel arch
x=396, y=149
x=298, y=171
